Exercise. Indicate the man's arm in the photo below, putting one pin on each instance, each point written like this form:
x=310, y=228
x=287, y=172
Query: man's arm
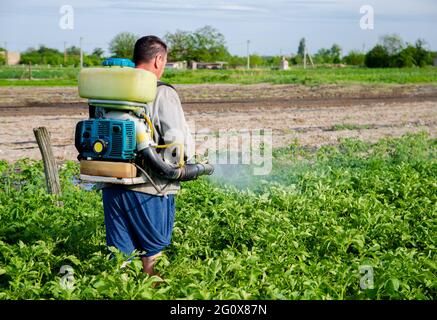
x=171, y=120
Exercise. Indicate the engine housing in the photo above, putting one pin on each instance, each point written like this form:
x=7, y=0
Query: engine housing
x=106, y=139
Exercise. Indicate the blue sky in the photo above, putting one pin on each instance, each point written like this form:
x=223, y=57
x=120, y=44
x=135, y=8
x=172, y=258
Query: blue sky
x=272, y=26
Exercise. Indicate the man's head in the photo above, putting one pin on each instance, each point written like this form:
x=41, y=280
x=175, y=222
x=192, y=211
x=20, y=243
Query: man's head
x=150, y=53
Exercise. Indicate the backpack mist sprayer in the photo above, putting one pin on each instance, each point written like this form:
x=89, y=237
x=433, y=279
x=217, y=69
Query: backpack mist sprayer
x=118, y=137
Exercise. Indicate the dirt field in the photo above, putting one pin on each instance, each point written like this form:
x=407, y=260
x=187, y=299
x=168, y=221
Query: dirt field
x=314, y=116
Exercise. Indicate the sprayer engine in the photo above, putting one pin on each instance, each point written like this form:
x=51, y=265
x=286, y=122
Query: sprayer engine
x=106, y=139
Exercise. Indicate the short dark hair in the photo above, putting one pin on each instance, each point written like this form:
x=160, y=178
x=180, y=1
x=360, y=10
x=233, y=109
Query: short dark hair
x=146, y=48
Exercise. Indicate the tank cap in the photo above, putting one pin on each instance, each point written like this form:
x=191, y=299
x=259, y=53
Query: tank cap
x=120, y=62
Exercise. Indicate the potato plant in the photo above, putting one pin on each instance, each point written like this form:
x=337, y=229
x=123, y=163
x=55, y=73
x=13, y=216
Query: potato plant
x=321, y=226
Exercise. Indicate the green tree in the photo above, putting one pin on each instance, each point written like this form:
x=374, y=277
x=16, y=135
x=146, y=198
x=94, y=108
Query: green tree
x=301, y=48
x=422, y=55
x=335, y=53
x=122, y=45
x=378, y=57
x=405, y=58
x=297, y=59
x=332, y=55
x=392, y=43
x=45, y=55
x=273, y=61
x=42, y=55
x=256, y=60
x=97, y=52
x=413, y=55
x=206, y=44
x=392, y=52
x=210, y=45
x=73, y=51
x=91, y=60
x=2, y=56
x=181, y=44
x=236, y=61
x=323, y=55
x=354, y=58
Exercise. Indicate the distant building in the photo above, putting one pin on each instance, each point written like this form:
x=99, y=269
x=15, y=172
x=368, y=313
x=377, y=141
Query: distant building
x=12, y=57
x=192, y=65
x=177, y=65
x=435, y=61
x=208, y=65
x=284, y=64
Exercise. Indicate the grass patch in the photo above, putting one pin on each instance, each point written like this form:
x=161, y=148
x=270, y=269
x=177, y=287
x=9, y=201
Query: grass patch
x=12, y=76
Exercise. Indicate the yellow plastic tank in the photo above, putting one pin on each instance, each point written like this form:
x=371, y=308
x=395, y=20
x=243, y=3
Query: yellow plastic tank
x=117, y=83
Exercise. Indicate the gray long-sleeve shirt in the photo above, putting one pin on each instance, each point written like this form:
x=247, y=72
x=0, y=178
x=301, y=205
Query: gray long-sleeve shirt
x=170, y=125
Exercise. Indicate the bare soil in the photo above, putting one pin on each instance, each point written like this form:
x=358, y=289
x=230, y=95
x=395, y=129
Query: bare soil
x=309, y=115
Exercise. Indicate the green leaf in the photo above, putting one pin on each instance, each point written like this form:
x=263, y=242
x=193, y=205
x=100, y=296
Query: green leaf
x=395, y=283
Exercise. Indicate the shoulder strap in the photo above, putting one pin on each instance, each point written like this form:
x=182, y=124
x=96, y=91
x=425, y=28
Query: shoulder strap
x=162, y=83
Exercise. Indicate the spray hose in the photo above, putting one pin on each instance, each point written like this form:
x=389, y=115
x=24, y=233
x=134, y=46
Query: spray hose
x=149, y=123
x=181, y=162
x=164, y=170
x=184, y=172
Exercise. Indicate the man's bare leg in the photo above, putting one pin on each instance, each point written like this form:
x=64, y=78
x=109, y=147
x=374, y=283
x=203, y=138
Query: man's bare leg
x=148, y=263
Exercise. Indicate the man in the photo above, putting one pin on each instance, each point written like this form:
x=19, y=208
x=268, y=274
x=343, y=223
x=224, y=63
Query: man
x=139, y=217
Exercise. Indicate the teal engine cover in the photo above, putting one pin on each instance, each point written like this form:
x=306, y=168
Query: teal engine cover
x=106, y=139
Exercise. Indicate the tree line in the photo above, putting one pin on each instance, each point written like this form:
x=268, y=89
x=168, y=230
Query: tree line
x=49, y=56
x=207, y=44
x=392, y=51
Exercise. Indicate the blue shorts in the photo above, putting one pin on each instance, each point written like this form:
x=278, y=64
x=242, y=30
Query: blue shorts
x=136, y=220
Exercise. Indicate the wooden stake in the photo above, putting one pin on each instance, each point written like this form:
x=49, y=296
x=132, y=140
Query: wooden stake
x=51, y=170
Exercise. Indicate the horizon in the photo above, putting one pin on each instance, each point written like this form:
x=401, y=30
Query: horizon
x=321, y=22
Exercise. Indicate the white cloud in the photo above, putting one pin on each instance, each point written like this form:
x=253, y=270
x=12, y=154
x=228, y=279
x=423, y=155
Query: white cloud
x=237, y=7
